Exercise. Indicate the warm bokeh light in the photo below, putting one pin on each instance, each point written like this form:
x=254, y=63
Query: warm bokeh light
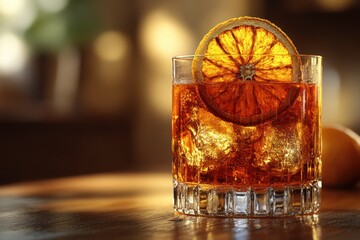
x=18, y=14
x=107, y=90
x=335, y=5
x=11, y=7
x=162, y=35
x=111, y=46
x=13, y=53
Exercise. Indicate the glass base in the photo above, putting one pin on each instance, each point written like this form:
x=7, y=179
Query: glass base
x=230, y=201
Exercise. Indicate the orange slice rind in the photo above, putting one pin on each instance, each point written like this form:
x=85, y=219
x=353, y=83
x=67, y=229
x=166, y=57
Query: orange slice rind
x=241, y=66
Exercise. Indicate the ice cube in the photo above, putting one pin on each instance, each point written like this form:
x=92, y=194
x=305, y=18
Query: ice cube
x=279, y=151
x=206, y=139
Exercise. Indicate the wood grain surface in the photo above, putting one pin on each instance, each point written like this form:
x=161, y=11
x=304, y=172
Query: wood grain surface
x=139, y=206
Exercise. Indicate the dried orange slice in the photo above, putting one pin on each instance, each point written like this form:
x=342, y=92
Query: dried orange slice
x=244, y=67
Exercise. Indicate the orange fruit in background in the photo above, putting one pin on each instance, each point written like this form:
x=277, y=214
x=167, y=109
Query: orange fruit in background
x=340, y=157
x=240, y=65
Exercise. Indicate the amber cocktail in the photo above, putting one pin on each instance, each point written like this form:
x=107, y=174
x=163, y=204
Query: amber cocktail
x=247, y=146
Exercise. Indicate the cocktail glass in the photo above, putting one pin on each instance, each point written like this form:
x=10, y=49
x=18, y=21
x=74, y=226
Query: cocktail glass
x=244, y=147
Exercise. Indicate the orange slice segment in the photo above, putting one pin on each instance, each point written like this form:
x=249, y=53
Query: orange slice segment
x=243, y=67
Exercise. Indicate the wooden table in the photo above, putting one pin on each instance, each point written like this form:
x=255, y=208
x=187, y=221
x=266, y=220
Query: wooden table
x=139, y=206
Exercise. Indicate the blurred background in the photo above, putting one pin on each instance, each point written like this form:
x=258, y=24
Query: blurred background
x=85, y=85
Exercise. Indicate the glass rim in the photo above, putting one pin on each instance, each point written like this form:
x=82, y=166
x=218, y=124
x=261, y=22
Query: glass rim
x=191, y=56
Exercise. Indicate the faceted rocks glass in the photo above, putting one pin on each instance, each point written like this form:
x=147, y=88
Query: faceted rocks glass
x=247, y=147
